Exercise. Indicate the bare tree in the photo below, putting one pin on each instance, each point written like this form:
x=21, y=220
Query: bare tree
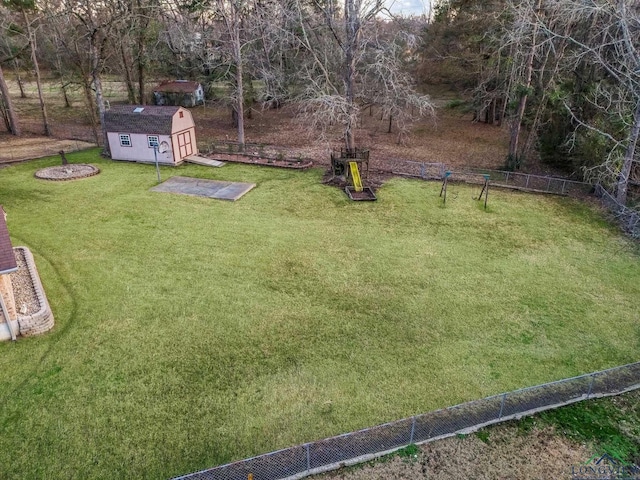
x=24, y=7
x=389, y=85
x=136, y=16
x=274, y=57
x=36, y=68
x=606, y=34
x=231, y=14
x=349, y=64
x=9, y=50
x=188, y=35
x=527, y=33
x=92, y=24
x=67, y=44
x=7, y=107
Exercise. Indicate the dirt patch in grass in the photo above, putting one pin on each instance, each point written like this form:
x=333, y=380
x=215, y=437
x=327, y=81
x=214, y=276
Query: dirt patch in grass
x=506, y=452
x=547, y=445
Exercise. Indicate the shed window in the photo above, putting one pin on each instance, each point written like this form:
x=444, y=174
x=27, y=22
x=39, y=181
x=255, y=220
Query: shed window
x=181, y=114
x=152, y=141
x=125, y=140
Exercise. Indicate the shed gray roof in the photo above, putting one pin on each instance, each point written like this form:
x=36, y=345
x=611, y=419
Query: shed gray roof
x=152, y=119
x=7, y=257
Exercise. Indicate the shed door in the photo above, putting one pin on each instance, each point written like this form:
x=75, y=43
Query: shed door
x=184, y=144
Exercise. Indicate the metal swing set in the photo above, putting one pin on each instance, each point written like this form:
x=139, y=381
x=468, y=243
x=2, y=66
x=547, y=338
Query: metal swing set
x=484, y=192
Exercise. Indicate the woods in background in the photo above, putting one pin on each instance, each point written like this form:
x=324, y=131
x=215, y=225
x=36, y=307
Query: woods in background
x=562, y=76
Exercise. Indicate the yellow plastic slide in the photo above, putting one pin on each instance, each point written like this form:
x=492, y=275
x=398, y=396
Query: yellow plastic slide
x=355, y=175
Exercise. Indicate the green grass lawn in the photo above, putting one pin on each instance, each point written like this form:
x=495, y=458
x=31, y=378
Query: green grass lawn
x=193, y=332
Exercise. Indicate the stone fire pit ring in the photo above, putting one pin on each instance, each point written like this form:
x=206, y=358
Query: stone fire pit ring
x=71, y=171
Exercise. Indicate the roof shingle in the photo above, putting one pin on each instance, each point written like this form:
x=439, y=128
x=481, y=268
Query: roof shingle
x=151, y=119
x=7, y=257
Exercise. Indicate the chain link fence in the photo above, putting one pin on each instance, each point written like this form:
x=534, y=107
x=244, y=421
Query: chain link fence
x=627, y=218
x=30, y=149
x=426, y=171
x=534, y=183
x=364, y=445
x=500, y=178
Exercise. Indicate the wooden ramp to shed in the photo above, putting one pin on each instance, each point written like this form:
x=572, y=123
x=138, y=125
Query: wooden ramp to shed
x=209, y=162
x=204, y=188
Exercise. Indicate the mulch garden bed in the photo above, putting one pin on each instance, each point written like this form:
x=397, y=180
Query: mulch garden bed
x=256, y=160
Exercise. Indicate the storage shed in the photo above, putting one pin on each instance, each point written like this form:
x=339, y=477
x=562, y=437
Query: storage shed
x=134, y=131
x=8, y=326
x=179, y=93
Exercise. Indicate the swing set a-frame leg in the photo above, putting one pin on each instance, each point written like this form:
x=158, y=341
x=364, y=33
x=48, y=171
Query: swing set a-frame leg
x=443, y=190
x=485, y=191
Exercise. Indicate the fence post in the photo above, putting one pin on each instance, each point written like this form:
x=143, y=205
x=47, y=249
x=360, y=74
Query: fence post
x=422, y=170
x=549, y=185
x=527, y=185
x=308, y=457
x=564, y=184
x=504, y=397
x=413, y=429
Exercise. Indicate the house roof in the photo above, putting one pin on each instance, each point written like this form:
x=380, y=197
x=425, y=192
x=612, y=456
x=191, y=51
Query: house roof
x=177, y=86
x=140, y=119
x=7, y=258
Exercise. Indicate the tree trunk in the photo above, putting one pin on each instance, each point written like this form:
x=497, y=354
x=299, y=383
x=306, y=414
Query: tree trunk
x=234, y=116
x=88, y=94
x=97, y=85
x=13, y=119
x=36, y=67
x=352, y=29
x=3, y=114
x=91, y=106
x=249, y=97
x=240, y=104
x=142, y=22
x=141, y=70
x=128, y=78
x=19, y=79
x=63, y=87
x=629, y=155
x=239, y=78
x=516, y=127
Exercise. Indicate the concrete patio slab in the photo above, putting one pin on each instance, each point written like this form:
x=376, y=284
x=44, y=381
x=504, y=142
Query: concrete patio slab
x=204, y=188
